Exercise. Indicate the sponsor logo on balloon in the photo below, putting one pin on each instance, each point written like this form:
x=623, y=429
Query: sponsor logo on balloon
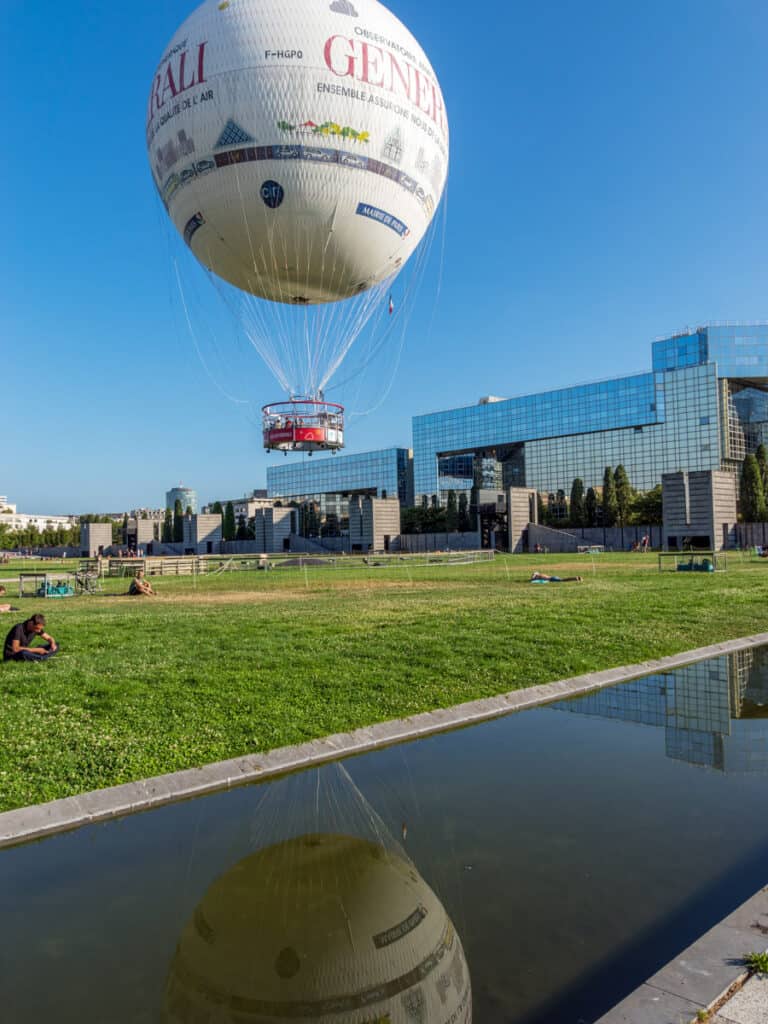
x=393, y=146
x=361, y=60
x=317, y=154
x=232, y=135
x=326, y=128
x=343, y=7
x=387, y=219
x=178, y=72
x=192, y=226
x=168, y=155
x=272, y=193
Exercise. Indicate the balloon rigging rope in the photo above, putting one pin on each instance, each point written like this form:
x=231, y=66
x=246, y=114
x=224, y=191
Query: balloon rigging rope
x=232, y=398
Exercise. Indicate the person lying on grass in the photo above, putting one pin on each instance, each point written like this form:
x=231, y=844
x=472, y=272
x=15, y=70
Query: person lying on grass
x=542, y=577
x=139, y=585
x=19, y=644
x=6, y=607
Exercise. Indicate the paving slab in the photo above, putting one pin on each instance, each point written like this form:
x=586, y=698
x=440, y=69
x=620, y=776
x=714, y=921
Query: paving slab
x=749, y=1005
x=703, y=973
x=705, y=970
x=648, y=1005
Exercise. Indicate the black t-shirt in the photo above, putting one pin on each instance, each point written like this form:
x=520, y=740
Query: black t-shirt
x=19, y=632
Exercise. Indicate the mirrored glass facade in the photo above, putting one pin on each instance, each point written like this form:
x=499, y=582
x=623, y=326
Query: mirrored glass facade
x=703, y=406
x=711, y=712
x=384, y=473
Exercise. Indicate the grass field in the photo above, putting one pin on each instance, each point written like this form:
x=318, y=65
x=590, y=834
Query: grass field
x=223, y=665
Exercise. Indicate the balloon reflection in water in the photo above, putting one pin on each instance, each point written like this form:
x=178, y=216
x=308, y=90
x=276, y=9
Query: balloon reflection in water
x=321, y=927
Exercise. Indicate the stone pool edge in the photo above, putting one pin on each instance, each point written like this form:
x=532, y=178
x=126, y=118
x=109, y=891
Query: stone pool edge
x=703, y=977
x=40, y=820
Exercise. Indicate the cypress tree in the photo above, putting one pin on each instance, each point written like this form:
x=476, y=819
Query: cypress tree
x=751, y=492
x=541, y=510
x=590, y=507
x=623, y=495
x=762, y=461
x=463, y=513
x=452, y=512
x=167, y=534
x=230, y=529
x=217, y=509
x=178, y=522
x=610, y=505
x=578, y=508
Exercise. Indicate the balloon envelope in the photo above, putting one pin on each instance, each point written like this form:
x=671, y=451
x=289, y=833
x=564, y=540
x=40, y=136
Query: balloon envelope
x=300, y=149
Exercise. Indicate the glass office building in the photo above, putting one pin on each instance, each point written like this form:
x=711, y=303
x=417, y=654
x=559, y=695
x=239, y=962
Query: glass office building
x=385, y=473
x=185, y=495
x=703, y=405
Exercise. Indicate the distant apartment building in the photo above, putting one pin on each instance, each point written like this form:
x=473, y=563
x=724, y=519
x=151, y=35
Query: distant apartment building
x=25, y=521
x=247, y=506
x=185, y=495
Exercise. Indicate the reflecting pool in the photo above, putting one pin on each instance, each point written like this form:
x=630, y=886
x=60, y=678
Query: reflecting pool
x=532, y=869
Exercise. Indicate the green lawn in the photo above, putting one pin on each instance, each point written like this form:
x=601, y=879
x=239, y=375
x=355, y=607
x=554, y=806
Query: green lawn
x=229, y=664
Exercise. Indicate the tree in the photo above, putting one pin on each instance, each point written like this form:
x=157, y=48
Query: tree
x=178, y=522
x=424, y=501
x=590, y=507
x=623, y=495
x=167, y=534
x=242, y=529
x=578, y=507
x=410, y=520
x=464, y=522
x=452, y=513
x=610, y=505
x=541, y=508
x=646, y=507
x=216, y=509
x=230, y=529
x=762, y=461
x=751, y=492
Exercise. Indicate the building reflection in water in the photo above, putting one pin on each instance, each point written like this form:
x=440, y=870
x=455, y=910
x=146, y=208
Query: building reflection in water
x=320, y=927
x=714, y=713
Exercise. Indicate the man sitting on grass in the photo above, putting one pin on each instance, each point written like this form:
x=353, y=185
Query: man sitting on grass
x=139, y=585
x=19, y=642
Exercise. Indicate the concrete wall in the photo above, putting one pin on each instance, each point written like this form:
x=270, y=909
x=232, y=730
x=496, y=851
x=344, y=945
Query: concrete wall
x=60, y=552
x=699, y=505
x=94, y=536
x=747, y=535
x=202, y=534
x=413, y=543
x=145, y=531
x=522, y=509
x=374, y=523
x=273, y=527
x=554, y=540
x=617, y=538
x=241, y=547
x=319, y=545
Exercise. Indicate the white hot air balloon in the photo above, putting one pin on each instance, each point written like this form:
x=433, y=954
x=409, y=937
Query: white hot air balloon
x=301, y=151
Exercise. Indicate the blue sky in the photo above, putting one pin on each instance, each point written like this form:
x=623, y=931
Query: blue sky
x=607, y=186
